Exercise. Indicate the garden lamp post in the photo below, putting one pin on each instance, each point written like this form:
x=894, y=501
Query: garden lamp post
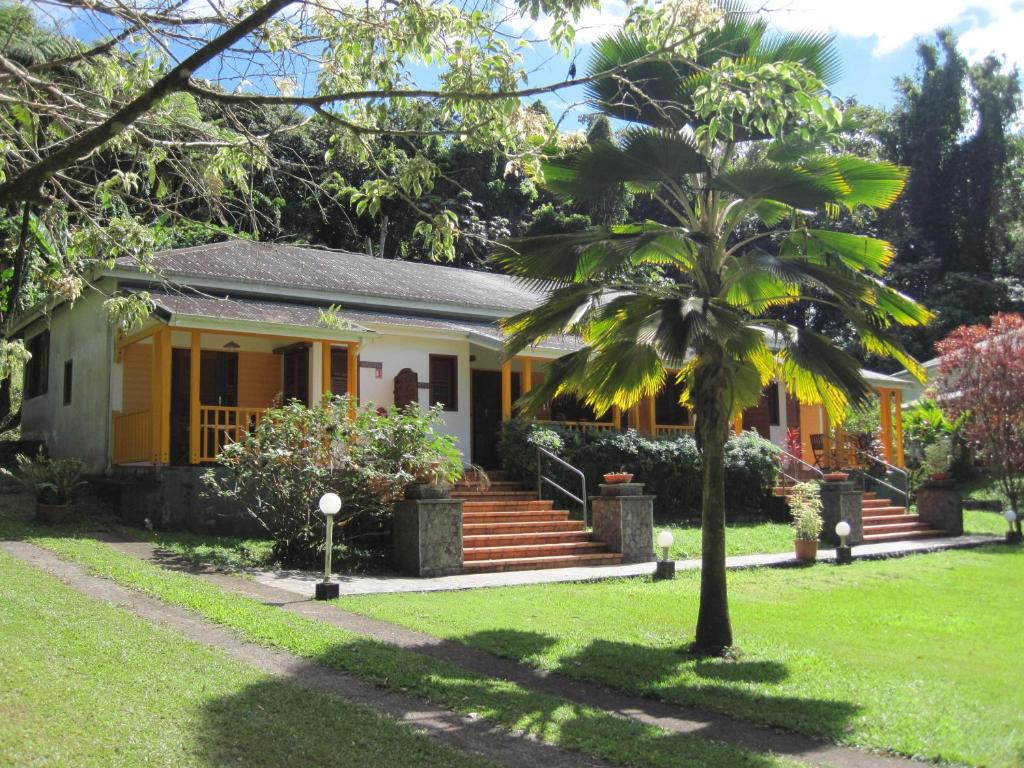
x=330, y=505
x=1013, y=536
x=844, y=553
x=665, y=568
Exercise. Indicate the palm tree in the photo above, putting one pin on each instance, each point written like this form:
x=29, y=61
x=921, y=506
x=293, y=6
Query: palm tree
x=736, y=149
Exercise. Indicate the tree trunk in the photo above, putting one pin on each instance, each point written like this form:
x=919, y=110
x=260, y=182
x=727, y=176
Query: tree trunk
x=714, y=631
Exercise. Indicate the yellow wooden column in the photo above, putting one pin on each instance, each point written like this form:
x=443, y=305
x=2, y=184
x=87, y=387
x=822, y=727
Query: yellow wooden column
x=352, y=361
x=886, y=409
x=634, y=417
x=737, y=424
x=165, y=398
x=325, y=366
x=195, y=367
x=898, y=408
x=525, y=375
x=617, y=418
x=155, y=395
x=650, y=417
x=506, y=390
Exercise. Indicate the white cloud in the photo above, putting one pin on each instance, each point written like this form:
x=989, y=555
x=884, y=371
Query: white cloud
x=594, y=23
x=985, y=26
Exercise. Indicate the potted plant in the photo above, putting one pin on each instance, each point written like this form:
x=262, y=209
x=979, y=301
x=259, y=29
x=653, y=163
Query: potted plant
x=614, y=478
x=938, y=457
x=805, y=505
x=51, y=481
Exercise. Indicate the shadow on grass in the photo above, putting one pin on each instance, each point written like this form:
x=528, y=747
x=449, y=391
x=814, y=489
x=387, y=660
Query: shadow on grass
x=735, y=688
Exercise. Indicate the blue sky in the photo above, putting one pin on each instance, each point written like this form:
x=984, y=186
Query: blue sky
x=876, y=38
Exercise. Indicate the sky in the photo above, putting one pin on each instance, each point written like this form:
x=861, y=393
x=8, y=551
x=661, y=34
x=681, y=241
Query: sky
x=876, y=38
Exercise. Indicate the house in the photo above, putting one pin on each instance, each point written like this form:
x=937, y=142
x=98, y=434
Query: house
x=237, y=325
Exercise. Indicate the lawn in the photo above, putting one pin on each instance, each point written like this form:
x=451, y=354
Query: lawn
x=88, y=684
x=915, y=654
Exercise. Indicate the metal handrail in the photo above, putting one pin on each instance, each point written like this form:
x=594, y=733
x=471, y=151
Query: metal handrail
x=891, y=467
x=542, y=478
x=800, y=461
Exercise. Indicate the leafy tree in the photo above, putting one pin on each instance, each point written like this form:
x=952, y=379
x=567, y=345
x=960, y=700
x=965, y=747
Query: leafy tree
x=981, y=385
x=734, y=140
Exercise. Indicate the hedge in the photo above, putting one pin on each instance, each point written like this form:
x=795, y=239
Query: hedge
x=669, y=468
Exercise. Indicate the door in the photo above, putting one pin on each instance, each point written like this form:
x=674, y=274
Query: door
x=296, y=375
x=218, y=378
x=181, y=395
x=485, y=416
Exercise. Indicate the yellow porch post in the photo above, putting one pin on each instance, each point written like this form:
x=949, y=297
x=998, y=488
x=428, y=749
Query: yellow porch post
x=155, y=393
x=506, y=390
x=195, y=366
x=898, y=408
x=886, y=408
x=352, y=361
x=165, y=398
x=617, y=418
x=325, y=366
x=737, y=424
x=634, y=417
x=526, y=374
x=650, y=419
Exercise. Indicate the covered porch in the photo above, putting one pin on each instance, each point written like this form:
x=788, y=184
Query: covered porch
x=182, y=391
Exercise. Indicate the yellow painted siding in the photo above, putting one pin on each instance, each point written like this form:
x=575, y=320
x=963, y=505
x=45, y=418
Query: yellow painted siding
x=259, y=379
x=137, y=374
x=811, y=420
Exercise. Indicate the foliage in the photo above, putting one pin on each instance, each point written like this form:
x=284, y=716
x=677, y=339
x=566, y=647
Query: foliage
x=671, y=469
x=805, y=506
x=981, y=381
x=51, y=481
x=281, y=468
x=938, y=456
x=925, y=422
x=729, y=146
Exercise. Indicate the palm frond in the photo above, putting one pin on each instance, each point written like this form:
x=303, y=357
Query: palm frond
x=856, y=251
x=788, y=186
x=817, y=371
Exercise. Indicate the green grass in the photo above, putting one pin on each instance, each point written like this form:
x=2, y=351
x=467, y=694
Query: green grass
x=919, y=655
x=500, y=702
x=227, y=552
x=87, y=684
x=740, y=539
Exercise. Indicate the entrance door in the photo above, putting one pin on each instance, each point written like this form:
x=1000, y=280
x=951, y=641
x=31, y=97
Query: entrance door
x=181, y=395
x=485, y=415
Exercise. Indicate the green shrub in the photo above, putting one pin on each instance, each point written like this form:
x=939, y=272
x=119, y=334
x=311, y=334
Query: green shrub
x=279, y=470
x=669, y=468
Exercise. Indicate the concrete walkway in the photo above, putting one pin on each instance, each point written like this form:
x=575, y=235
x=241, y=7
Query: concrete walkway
x=669, y=717
x=301, y=582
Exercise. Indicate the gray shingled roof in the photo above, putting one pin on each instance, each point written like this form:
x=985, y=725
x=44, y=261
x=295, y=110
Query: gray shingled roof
x=338, y=272
x=308, y=315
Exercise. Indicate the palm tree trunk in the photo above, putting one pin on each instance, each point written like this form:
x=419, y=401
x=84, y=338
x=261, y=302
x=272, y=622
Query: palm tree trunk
x=714, y=631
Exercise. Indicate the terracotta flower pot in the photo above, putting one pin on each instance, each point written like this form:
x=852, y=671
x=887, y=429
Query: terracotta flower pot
x=51, y=514
x=614, y=478
x=806, y=549
x=835, y=477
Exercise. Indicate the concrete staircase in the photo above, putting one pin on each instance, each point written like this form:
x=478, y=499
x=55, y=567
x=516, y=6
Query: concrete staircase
x=507, y=528
x=884, y=520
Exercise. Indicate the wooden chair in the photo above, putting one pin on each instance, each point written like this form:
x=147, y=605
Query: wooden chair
x=818, y=449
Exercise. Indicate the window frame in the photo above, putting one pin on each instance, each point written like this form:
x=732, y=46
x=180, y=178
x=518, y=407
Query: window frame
x=453, y=384
x=37, y=369
x=69, y=372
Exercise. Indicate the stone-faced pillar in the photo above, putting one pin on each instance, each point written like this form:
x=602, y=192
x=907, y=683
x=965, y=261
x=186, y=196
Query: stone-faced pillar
x=427, y=536
x=841, y=500
x=623, y=518
x=942, y=507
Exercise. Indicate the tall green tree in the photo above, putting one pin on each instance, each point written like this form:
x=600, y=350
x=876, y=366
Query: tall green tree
x=729, y=143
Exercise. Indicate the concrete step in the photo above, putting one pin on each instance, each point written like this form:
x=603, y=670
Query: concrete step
x=532, y=526
x=872, y=503
x=510, y=506
x=874, y=520
x=882, y=511
x=930, y=533
x=496, y=485
x=515, y=539
x=493, y=495
x=516, y=551
x=870, y=494
x=532, y=563
x=911, y=525
x=518, y=516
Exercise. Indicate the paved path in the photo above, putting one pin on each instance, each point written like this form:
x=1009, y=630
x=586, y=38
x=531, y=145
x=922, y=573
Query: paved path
x=301, y=582
x=669, y=717
x=454, y=729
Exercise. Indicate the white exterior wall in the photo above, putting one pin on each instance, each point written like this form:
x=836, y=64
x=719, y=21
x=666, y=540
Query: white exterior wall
x=777, y=434
x=398, y=352
x=82, y=428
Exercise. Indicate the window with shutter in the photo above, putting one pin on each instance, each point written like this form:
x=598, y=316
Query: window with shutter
x=37, y=369
x=444, y=381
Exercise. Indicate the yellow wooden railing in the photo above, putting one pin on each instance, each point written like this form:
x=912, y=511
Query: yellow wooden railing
x=221, y=424
x=672, y=430
x=133, y=437
x=580, y=426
